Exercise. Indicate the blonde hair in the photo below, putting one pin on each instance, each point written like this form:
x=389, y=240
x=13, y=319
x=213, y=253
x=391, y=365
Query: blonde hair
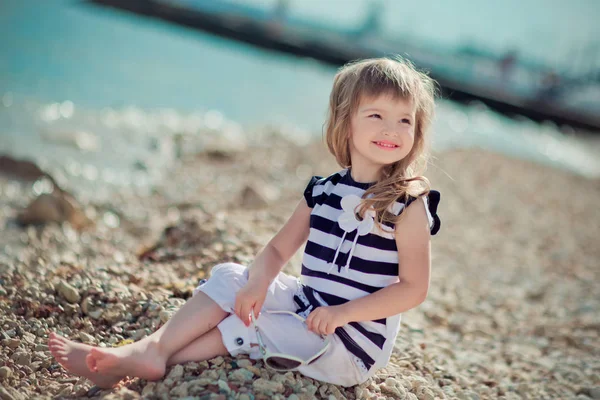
x=399, y=79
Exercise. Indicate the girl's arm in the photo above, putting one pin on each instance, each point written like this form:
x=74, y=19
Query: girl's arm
x=271, y=259
x=414, y=264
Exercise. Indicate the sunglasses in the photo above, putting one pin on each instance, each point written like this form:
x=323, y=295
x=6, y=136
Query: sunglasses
x=285, y=362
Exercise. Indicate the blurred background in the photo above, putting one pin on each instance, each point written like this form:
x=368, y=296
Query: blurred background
x=174, y=135
x=93, y=92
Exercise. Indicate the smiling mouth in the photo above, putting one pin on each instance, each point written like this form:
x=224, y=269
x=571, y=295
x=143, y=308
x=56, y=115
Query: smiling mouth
x=388, y=146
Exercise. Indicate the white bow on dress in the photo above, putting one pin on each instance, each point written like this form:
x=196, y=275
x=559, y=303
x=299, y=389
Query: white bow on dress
x=349, y=221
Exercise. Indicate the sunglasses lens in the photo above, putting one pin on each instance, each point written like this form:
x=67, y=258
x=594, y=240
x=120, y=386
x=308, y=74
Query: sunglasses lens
x=282, y=363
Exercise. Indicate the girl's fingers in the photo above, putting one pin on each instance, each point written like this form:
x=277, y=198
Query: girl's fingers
x=257, y=308
x=309, y=322
x=314, y=327
x=245, y=315
x=321, y=327
x=241, y=314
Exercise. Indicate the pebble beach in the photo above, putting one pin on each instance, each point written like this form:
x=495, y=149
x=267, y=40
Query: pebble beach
x=512, y=312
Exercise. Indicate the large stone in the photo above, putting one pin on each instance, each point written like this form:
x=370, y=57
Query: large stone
x=148, y=389
x=223, y=386
x=217, y=361
x=176, y=372
x=243, y=363
x=55, y=207
x=252, y=198
x=5, y=394
x=21, y=169
x=241, y=375
x=393, y=387
x=22, y=358
x=5, y=372
x=68, y=292
x=86, y=338
x=267, y=387
x=180, y=391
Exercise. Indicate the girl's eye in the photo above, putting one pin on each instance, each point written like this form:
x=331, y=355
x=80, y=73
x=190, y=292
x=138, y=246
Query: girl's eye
x=406, y=121
x=375, y=116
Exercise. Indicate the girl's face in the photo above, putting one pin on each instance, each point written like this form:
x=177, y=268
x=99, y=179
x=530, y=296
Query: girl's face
x=382, y=132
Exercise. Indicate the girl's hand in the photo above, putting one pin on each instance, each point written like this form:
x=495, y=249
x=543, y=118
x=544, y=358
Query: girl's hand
x=324, y=320
x=250, y=297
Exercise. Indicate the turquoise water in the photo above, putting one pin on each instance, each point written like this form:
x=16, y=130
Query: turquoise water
x=67, y=66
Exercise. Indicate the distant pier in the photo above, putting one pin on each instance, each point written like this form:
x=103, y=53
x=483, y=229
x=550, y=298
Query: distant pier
x=504, y=84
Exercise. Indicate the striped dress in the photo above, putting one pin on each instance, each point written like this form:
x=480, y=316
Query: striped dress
x=345, y=259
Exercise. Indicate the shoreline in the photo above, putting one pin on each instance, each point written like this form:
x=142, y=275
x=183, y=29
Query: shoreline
x=511, y=312
x=113, y=148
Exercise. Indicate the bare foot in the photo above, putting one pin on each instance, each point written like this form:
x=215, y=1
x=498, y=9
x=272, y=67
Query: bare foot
x=72, y=355
x=141, y=359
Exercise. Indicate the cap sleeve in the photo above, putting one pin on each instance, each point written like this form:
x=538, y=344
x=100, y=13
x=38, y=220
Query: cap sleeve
x=432, y=200
x=309, y=191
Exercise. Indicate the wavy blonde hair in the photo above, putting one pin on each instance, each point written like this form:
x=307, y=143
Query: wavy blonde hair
x=398, y=78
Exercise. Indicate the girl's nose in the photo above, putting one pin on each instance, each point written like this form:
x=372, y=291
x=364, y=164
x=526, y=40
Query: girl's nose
x=391, y=128
x=391, y=131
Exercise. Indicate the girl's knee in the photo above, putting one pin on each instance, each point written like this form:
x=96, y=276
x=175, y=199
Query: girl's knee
x=227, y=269
x=236, y=274
x=227, y=276
x=224, y=283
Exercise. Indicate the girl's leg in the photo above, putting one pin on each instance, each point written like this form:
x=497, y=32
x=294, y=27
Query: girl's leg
x=71, y=355
x=205, y=347
x=147, y=358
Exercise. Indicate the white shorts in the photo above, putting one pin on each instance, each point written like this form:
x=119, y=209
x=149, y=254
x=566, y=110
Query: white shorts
x=281, y=333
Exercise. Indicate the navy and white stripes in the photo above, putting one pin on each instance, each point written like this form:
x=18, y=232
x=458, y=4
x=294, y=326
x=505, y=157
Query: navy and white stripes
x=373, y=263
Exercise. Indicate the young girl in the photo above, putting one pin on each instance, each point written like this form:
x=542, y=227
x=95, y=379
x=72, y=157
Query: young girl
x=366, y=261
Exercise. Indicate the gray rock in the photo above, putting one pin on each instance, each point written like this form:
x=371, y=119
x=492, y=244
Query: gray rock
x=252, y=197
x=267, y=387
x=168, y=382
x=54, y=207
x=181, y=391
x=176, y=372
x=68, y=292
x=5, y=395
x=22, y=358
x=468, y=395
x=148, y=389
x=41, y=347
x=217, y=361
x=35, y=366
x=165, y=315
x=243, y=363
x=85, y=338
x=241, y=375
x=96, y=314
x=5, y=372
x=223, y=386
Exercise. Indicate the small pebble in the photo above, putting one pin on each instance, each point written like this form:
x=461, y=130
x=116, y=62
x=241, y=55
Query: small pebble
x=5, y=372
